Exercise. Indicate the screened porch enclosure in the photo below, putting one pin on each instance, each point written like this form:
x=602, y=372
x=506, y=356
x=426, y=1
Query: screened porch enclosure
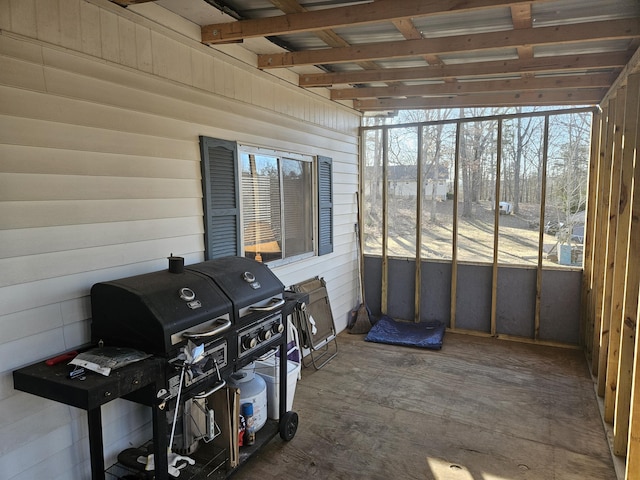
x=476, y=218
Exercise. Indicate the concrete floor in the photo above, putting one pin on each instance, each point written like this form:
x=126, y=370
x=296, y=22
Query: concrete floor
x=479, y=409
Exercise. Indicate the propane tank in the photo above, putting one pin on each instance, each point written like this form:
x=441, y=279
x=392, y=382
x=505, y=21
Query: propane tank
x=253, y=389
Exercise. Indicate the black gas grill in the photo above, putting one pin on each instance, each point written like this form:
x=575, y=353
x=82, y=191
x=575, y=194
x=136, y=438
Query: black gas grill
x=232, y=306
x=158, y=312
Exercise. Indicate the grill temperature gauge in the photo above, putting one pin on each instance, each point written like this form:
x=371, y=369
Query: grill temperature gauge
x=187, y=294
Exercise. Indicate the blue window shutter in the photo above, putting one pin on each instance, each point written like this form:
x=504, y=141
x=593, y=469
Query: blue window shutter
x=325, y=205
x=220, y=197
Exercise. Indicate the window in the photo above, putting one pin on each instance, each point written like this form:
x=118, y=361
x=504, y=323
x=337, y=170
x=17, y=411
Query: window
x=530, y=167
x=260, y=203
x=277, y=206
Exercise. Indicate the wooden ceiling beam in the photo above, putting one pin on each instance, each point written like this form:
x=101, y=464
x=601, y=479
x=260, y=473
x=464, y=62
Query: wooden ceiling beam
x=491, y=86
x=331, y=38
x=360, y=14
x=579, y=97
x=521, y=16
x=501, y=67
x=410, y=32
x=603, y=30
x=633, y=66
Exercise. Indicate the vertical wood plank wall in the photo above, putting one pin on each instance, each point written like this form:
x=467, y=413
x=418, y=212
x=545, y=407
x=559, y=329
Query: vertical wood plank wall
x=611, y=292
x=100, y=113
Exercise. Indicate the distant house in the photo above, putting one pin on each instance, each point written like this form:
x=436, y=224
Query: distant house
x=402, y=181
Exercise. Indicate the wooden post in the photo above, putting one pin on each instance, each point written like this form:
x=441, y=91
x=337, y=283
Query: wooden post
x=633, y=450
x=419, y=194
x=384, y=290
x=610, y=225
x=454, y=241
x=625, y=298
x=617, y=251
x=604, y=181
x=496, y=233
x=543, y=203
x=586, y=326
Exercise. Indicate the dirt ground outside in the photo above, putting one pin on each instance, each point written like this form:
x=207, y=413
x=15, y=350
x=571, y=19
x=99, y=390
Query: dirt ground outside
x=518, y=234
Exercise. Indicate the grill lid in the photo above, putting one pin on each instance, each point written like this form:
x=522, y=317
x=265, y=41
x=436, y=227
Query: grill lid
x=246, y=282
x=151, y=312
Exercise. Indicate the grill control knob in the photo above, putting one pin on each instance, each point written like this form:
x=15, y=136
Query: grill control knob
x=277, y=328
x=249, y=342
x=265, y=335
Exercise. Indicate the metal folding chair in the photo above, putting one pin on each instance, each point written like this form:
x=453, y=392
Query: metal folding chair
x=315, y=323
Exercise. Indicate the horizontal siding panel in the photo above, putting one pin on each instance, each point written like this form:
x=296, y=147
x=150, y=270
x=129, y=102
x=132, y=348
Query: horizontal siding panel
x=60, y=466
x=19, y=410
x=78, y=333
x=27, y=350
x=18, y=406
x=25, y=51
x=6, y=384
x=62, y=289
x=24, y=131
x=29, y=322
x=21, y=74
x=63, y=64
x=31, y=268
x=39, y=240
x=121, y=417
x=47, y=445
x=75, y=310
x=156, y=128
x=38, y=187
x=64, y=110
x=68, y=212
x=59, y=161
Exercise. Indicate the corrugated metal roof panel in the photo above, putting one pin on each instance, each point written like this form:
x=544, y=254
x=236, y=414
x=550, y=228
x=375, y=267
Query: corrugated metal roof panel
x=579, y=11
x=467, y=23
x=600, y=46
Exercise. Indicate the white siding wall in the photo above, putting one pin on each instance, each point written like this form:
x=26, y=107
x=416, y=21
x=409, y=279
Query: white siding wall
x=100, y=112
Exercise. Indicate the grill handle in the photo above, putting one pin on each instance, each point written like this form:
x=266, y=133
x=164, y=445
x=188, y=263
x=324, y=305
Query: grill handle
x=273, y=304
x=222, y=325
x=215, y=388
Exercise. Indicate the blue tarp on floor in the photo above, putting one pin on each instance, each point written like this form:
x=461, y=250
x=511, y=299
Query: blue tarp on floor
x=421, y=335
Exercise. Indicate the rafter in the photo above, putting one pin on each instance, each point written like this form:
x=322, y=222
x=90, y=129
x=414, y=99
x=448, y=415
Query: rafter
x=521, y=17
x=566, y=63
x=492, y=86
x=580, y=97
x=374, y=12
x=410, y=32
x=611, y=29
x=329, y=37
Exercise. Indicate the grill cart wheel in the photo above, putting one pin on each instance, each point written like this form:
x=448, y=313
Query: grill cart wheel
x=288, y=425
